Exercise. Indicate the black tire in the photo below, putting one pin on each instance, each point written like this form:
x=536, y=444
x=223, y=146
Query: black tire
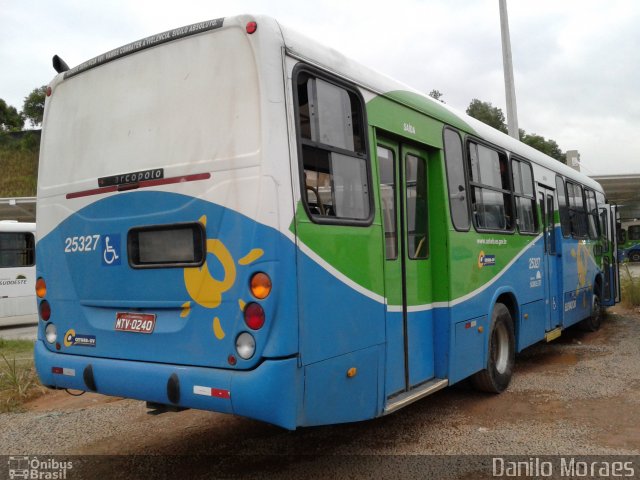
x=502, y=353
x=634, y=256
x=593, y=322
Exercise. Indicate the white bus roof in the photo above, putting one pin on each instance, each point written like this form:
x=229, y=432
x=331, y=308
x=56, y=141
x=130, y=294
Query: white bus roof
x=327, y=58
x=309, y=50
x=15, y=226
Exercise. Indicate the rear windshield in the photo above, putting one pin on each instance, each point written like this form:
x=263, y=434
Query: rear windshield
x=181, y=103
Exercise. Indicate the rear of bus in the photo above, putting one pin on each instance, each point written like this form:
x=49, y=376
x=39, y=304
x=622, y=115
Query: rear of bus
x=166, y=270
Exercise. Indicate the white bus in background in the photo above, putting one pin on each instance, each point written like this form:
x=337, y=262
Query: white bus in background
x=17, y=272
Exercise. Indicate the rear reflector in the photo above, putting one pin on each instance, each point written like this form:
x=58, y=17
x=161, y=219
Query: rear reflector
x=211, y=392
x=69, y=372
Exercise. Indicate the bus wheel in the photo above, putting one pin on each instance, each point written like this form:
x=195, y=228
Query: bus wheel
x=593, y=322
x=496, y=377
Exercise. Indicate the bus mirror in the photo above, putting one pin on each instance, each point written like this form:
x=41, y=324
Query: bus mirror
x=59, y=65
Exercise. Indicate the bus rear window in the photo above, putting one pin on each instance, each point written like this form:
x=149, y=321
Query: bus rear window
x=166, y=246
x=17, y=249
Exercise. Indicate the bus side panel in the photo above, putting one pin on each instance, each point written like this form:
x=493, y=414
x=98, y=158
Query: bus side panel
x=579, y=273
x=342, y=389
x=335, y=319
x=513, y=271
x=341, y=322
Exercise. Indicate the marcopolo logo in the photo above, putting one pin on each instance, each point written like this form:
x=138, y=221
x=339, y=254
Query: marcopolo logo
x=485, y=260
x=28, y=467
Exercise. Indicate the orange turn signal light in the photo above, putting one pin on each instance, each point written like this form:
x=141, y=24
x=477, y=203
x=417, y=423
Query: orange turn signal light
x=260, y=285
x=41, y=287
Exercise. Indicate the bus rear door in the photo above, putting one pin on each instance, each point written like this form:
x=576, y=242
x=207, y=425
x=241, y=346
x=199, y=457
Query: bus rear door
x=408, y=283
x=551, y=267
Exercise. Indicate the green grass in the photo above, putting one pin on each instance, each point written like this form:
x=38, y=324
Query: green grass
x=18, y=379
x=19, y=165
x=630, y=287
x=13, y=347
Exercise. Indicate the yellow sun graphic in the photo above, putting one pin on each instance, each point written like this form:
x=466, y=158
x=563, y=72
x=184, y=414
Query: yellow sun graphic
x=582, y=260
x=207, y=291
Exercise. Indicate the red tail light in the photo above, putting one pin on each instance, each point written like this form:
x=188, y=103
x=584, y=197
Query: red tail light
x=254, y=316
x=251, y=27
x=45, y=310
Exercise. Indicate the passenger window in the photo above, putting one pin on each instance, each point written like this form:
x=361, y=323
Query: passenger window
x=592, y=214
x=633, y=232
x=525, y=200
x=388, y=201
x=416, y=207
x=334, y=160
x=490, y=188
x=577, y=212
x=563, y=207
x=455, y=179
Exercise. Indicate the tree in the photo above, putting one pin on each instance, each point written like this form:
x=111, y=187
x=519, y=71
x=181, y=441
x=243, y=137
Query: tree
x=487, y=113
x=549, y=147
x=493, y=116
x=33, y=108
x=10, y=119
x=437, y=95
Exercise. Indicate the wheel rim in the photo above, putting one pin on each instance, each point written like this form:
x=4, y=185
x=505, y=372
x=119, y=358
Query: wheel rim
x=500, y=348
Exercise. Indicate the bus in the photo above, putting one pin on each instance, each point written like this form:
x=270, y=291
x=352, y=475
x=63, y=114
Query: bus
x=17, y=272
x=629, y=247
x=235, y=218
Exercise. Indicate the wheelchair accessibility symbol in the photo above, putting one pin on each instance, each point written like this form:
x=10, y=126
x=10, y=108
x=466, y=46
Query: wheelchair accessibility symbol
x=111, y=249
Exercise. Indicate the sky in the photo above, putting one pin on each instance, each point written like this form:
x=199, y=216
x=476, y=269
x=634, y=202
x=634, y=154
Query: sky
x=576, y=62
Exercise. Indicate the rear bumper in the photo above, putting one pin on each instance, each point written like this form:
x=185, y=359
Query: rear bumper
x=268, y=393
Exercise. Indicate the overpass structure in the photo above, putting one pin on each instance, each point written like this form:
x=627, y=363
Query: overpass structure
x=623, y=190
x=22, y=209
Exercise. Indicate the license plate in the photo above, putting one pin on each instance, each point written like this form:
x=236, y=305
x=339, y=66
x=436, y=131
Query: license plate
x=135, y=322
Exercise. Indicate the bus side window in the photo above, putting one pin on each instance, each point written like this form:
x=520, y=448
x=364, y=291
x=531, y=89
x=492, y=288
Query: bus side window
x=592, y=214
x=525, y=201
x=563, y=207
x=334, y=160
x=577, y=212
x=490, y=188
x=604, y=229
x=633, y=233
x=456, y=180
x=388, y=201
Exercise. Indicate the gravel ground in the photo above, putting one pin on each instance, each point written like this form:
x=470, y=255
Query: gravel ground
x=578, y=395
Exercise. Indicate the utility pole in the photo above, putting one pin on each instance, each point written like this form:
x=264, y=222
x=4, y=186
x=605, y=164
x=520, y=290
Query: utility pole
x=507, y=62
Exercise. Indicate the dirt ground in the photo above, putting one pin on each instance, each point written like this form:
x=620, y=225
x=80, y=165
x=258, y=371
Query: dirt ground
x=578, y=395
